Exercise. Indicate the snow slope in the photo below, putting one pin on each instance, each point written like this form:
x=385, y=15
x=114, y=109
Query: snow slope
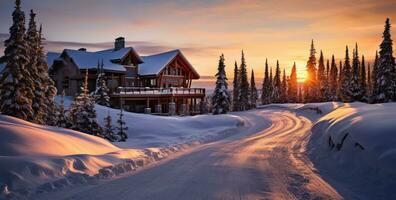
x=35, y=158
x=146, y=131
x=356, y=145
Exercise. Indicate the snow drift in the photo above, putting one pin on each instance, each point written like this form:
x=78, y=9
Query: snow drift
x=36, y=158
x=359, y=140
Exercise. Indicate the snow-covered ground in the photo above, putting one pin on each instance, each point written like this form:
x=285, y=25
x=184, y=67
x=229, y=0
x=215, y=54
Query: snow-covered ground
x=35, y=158
x=284, y=151
x=355, y=145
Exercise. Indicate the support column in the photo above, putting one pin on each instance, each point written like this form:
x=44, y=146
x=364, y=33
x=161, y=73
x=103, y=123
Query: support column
x=158, y=108
x=147, y=110
x=172, y=108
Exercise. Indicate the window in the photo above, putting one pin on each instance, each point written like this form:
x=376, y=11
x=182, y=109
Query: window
x=153, y=82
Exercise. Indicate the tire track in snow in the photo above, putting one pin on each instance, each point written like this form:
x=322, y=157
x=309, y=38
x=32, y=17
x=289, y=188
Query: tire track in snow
x=261, y=161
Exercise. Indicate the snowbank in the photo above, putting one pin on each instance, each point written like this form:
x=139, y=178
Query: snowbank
x=36, y=158
x=145, y=131
x=40, y=158
x=360, y=139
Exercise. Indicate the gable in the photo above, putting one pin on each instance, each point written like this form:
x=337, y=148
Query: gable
x=155, y=64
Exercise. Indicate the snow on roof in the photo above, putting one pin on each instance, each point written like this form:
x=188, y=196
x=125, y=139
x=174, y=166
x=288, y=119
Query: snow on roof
x=51, y=57
x=153, y=64
x=89, y=60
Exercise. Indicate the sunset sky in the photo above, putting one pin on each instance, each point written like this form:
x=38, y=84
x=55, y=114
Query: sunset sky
x=203, y=30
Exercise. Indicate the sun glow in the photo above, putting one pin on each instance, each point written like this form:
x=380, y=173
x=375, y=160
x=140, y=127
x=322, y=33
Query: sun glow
x=301, y=71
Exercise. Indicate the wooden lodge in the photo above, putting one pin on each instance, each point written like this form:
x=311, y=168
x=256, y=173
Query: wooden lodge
x=159, y=83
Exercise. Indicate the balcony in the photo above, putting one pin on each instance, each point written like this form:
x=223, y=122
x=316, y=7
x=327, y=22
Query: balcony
x=158, y=92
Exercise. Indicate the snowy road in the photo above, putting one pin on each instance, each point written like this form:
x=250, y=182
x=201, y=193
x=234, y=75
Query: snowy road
x=264, y=160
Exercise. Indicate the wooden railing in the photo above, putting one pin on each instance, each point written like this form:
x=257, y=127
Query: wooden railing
x=158, y=91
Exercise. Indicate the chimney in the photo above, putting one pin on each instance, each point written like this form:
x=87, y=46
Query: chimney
x=82, y=49
x=119, y=43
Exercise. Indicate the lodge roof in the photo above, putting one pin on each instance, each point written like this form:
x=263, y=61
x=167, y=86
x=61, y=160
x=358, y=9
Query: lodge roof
x=154, y=64
x=89, y=60
x=150, y=65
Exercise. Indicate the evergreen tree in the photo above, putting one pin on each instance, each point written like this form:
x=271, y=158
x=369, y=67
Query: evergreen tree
x=253, y=91
x=108, y=129
x=369, y=82
x=345, y=92
x=221, y=97
x=300, y=96
x=244, y=85
x=293, y=85
x=16, y=91
x=333, y=80
x=48, y=85
x=284, y=88
x=311, y=83
x=339, y=83
x=354, y=85
x=323, y=80
x=363, y=83
x=266, y=90
x=271, y=86
x=385, y=91
x=38, y=101
x=235, y=91
x=277, y=85
x=326, y=84
x=374, y=79
x=62, y=120
x=83, y=114
x=122, y=128
x=101, y=93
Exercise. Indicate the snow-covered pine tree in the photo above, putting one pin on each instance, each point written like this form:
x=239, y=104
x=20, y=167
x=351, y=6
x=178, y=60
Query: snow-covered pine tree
x=253, y=92
x=339, y=82
x=385, y=91
x=322, y=79
x=346, y=77
x=266, y=90
x=108, y=129
x=374, y=79
x=83, y=113
x=271, y=86
x=122, y=128
x=300, y=96
x=221, y=97
x=326, y=84
x=62, y=119
x=328, y=69
x=16, y=92
x=47, y=82
x=362, y=80
x=244, y=94
x=354, y=85
x=284, y=98
x=333, y=80
x=369, y=82
x=101, y=93
x=235, y=91
x=32, y=38
x=277, y=85
x=311, y=84
x=293, y=87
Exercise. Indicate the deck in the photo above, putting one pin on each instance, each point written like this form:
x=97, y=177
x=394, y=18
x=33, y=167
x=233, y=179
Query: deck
x=141, y=92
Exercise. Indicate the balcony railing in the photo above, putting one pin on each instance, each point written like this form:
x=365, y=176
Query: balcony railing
x=158, y=91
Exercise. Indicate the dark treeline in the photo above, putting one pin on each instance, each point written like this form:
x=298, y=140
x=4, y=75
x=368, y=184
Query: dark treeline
x=353, y=79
